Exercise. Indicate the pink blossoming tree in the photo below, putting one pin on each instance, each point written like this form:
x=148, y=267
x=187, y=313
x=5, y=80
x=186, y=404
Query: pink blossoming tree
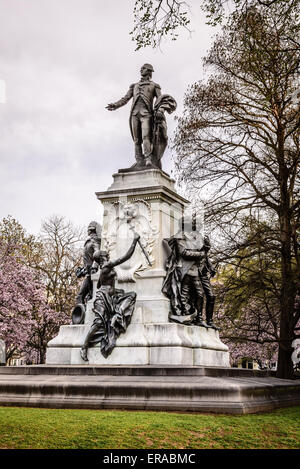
x=27, y=322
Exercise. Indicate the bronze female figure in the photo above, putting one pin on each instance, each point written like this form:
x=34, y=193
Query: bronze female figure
x=113, y=308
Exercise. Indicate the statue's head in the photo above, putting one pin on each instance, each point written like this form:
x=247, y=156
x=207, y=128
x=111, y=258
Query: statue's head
x=147, y=70
x=94, y=228
x=190, y=223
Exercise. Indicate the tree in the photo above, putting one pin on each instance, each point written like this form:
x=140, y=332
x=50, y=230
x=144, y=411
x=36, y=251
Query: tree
x=17, y=240
x=242, y=343
x=22, y=300
x=216, y=9
x=62, y=254
x=37, y=284
x=45, y=325
x=154, y=20
x=239, y=141
x=248, y=296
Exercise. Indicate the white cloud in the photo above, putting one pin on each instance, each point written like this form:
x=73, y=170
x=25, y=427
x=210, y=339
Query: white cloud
x=2, y=92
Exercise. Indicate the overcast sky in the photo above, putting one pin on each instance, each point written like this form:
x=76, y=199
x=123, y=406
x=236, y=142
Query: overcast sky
x=61, y=62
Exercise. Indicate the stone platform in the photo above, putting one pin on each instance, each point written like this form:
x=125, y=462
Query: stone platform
x=144, y=344
x=163, y=388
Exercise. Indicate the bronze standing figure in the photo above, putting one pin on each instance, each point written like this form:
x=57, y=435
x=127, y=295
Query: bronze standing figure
x=148, y=127
x=188, y=278
x=91, y=245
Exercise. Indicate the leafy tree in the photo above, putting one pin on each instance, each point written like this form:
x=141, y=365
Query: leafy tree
x=22, y=303
x=56, y=253
x=37, y=284
x=17, y=240
x=238, y=143
x=216, y=9
x=155, y=19
x=248, y=292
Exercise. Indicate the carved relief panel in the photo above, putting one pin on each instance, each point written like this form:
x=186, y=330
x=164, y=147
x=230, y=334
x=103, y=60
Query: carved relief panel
x=121, y=220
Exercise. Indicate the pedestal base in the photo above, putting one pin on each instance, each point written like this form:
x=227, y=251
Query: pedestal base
x=148, y=201
x=164, y=388
x=143, y=344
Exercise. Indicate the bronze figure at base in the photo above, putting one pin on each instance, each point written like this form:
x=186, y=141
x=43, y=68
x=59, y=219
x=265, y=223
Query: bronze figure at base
x=113, y=308
x=91, y=245
x=188, y=278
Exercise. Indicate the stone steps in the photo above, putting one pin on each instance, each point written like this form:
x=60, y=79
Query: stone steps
x=135, y=370
x=184, y=389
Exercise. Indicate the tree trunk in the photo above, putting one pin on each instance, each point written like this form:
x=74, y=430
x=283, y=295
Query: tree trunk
x=42, y=353
x=285, y=366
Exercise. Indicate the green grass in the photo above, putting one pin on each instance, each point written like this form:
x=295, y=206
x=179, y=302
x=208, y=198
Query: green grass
x=22, y=428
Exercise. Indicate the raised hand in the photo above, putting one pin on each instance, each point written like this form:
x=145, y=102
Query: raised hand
x=111, y=107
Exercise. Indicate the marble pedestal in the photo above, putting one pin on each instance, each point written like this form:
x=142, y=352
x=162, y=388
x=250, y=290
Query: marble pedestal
x=146, y=201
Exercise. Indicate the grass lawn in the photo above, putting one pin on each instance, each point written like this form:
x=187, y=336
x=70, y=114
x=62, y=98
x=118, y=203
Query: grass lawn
x=23, y=428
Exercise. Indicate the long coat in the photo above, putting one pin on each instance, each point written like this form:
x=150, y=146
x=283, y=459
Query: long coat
x=147, y=90
x=179, y=262
x=91, y=245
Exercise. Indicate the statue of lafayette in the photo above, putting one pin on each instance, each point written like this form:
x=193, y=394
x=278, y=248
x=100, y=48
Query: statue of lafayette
x=146, y=120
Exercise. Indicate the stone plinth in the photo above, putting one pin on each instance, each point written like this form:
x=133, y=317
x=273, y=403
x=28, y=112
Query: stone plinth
x=166, y=388
x=144, y=344
x=148, y=202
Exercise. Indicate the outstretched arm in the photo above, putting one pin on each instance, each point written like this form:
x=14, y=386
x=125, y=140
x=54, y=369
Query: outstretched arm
x=192, y=253
x=128, y=254
x=122, y=101
x=189, y=253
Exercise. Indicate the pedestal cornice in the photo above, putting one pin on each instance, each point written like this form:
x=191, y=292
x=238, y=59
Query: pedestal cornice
x=149, y=184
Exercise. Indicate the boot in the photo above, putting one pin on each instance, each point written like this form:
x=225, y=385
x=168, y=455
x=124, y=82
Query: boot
x=209, y=313
x=139, y=156
x=147, y=152
x=187, y=320
x=148, y=162
x=199, y=318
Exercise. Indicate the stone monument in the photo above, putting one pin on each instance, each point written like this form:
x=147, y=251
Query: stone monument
x=142, y=207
